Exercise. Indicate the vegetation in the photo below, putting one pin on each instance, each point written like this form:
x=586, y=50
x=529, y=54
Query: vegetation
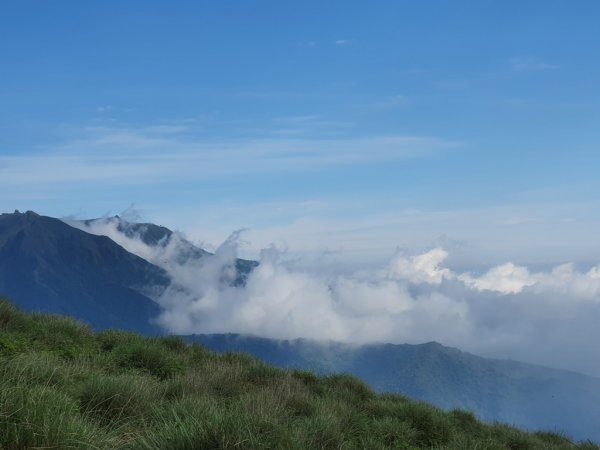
x=62, y=386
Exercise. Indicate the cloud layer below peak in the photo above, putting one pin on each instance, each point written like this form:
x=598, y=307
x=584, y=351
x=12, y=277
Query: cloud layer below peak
x=546, y=317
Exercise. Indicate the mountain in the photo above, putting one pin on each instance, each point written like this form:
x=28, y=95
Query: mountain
x=158, y=236
x=150, y=234
x=528, y=396
x=47, y=265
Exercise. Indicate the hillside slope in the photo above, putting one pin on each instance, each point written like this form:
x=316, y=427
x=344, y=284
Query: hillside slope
x=529, y=396
x=62, y=386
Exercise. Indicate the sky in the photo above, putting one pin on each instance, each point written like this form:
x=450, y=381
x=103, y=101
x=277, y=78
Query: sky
x=335, y=127
x=440, y=157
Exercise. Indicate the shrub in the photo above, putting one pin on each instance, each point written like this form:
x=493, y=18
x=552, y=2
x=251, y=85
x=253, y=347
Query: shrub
x=198, y=354
x=173, y=343
x=63, y=336
x=238, y=358
x=10, y=316
x=112, y=400
x=393, y=433
x=464, y=420
x=35, y=368
x=41, y=417
x=200, y=424
x=311, y=381
x=322, y=431
x=349, y=387
x=178, y=432
x=553, y=438
x=109, y=339
x=148, y=357
x=300, y=404
x=11, y=343
x=261, y=374
x=514, y=439
x=432, y=425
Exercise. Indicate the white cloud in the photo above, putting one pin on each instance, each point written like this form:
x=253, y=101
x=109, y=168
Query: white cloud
x=548, y=317
x=566, y=280
x=423, y=268
x=506, y=279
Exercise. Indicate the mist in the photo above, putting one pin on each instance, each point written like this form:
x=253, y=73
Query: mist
x=509, y=311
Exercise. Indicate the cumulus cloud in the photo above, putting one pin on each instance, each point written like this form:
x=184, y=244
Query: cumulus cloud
x=506, y=279
x=423, y=268
x=508, y=310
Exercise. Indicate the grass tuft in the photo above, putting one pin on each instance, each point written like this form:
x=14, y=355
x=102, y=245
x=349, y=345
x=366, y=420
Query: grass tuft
x=149, y=357
x=112, y=400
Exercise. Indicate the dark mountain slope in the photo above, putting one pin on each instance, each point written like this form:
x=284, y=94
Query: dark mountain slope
x=46, y=265
x=526, y=395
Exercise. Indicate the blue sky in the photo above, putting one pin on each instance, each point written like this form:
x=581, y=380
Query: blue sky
x=340, y=127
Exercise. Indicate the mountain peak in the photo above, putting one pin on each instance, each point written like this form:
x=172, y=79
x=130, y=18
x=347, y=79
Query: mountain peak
x=26, y=215
x=47, y=265
x=148, y=233
x=159, y=236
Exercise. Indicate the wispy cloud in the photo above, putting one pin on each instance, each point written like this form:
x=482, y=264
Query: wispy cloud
x=343, y=41
x=161, y=153
x=392, y=101
x=454, y=84
x=308, y=118
x=307, y=43
x=529, y=65
x=305, y=124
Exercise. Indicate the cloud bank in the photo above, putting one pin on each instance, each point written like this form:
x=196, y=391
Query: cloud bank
x=546, y=317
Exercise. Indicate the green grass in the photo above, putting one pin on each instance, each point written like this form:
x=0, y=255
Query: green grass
x=64, y=387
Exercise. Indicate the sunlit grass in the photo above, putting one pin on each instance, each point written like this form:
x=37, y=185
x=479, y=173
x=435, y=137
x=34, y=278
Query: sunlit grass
x=62, y=387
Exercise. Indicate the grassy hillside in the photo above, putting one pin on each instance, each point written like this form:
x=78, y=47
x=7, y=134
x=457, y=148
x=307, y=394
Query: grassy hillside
x=525, y=395
x=62, y=386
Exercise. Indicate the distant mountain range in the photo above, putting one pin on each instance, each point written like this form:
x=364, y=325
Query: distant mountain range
x=48, y=265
